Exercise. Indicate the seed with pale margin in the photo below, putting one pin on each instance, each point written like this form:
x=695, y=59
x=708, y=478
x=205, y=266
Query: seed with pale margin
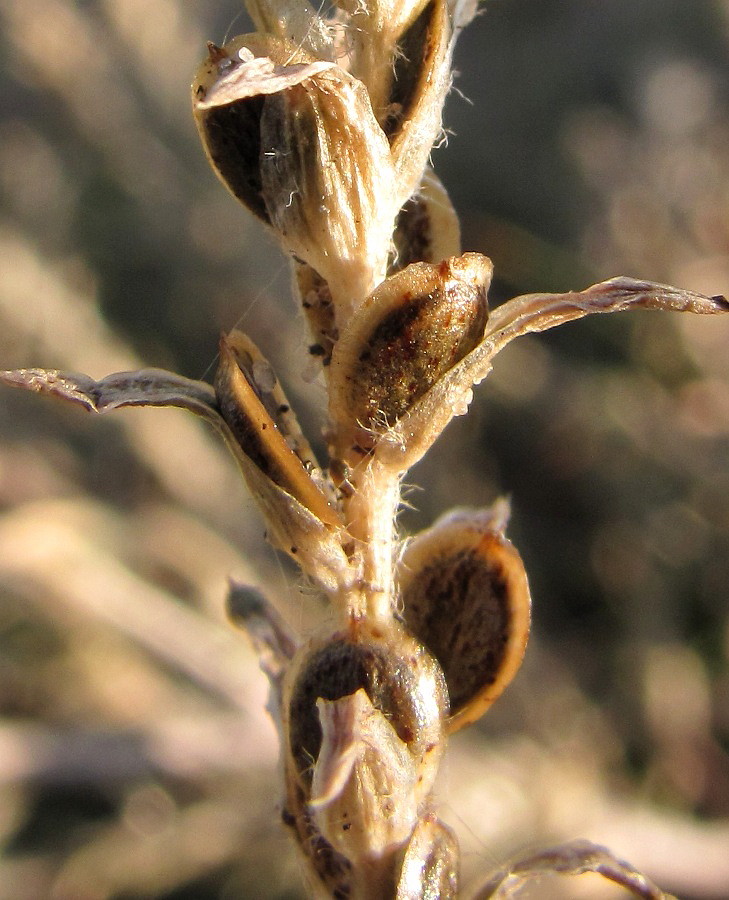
x=465, y=596
x=409, y=332
x=258, y=435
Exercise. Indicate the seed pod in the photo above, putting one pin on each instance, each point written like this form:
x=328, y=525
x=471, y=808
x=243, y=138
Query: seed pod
x=430, y=864
x=415, y=327
x=465, y=596
x=421, y=81
x=364, y=729
x=295, y=139
x=427, y=228
x=247, y=405
x=229, y=91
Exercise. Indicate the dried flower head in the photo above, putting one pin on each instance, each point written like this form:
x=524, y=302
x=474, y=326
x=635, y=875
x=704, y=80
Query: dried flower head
x=322, y=128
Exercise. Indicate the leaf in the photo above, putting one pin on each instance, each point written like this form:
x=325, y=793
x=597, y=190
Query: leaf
x=576, y=858
x=539, y=312
x=526, y=314
x=292, y=528
x=146, y=387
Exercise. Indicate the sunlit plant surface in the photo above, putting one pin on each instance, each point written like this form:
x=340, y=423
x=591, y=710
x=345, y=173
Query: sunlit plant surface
x=137, y=698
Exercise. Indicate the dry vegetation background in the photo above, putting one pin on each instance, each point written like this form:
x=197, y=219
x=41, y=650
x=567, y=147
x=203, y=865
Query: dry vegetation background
x=136, y=760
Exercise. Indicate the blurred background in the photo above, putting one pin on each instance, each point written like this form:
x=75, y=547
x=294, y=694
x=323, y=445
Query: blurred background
x=585, y=140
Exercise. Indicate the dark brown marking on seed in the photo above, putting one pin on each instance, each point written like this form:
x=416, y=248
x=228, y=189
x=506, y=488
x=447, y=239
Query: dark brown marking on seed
x=459, y=608
x=233, y=139
x=410, y=66
x=340, y=669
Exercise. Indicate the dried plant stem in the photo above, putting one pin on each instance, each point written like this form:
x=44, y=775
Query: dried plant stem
x=370, y=515
x=322, y=128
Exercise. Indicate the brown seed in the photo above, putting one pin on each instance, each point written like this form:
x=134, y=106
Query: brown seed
x=364, y=714
x=465, y=596
x=409, y=332
x=242, y=405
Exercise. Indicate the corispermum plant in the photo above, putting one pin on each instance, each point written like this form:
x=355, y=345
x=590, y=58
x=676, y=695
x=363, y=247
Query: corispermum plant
x=322, y=126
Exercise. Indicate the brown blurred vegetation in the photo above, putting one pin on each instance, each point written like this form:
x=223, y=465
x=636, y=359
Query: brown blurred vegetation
x=589, y=139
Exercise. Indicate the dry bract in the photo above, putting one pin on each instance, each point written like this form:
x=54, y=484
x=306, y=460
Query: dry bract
x=298, y=143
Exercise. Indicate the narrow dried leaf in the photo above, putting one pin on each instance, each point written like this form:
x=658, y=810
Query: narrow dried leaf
x=272, y=639
x=292, y=527
x=577, y=858
x=262, y=378
x=147, y=387
x=451, y=395
x=539, y=312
